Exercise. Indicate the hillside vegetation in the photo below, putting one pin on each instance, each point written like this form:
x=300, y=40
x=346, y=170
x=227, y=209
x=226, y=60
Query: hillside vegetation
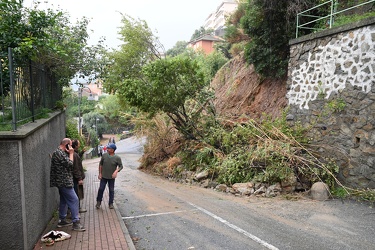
x=250, y=143
x=220, y=118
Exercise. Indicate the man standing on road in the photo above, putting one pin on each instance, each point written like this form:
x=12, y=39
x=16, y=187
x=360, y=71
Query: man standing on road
x=110, y=164
x=61, y=176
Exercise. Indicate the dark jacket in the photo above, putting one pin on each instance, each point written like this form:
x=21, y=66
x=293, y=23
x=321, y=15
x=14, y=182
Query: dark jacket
x=61, y=174
x=78, y=172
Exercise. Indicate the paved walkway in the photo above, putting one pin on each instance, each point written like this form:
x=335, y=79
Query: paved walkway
x=104, y=227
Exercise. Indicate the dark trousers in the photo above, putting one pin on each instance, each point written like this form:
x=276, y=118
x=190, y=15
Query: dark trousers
x=111, y=187
x=75, y=182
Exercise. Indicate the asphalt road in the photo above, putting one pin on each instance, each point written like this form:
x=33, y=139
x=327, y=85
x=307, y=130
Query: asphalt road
x=161, y=214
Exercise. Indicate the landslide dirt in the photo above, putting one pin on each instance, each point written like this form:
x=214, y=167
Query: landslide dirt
x=240, y=91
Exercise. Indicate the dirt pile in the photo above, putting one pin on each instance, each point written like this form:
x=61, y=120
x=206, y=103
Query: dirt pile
x=240, y=91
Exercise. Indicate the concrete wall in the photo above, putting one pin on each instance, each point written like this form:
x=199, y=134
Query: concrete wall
x=331, y=92
x=27, y=203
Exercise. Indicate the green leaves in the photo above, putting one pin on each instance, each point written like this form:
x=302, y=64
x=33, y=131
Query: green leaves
x=165, y=85
x=12, y=27
x=139, y=48
x=48, y=38
x=267, y=24
x=178, y=48
x=139, y=75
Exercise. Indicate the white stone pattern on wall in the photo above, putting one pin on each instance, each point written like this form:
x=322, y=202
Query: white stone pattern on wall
x=348, y=59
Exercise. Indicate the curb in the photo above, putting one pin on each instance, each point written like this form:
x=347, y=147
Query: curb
x=124, y=229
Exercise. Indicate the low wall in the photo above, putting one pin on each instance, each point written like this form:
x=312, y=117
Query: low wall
x=27, y=202
x=331, y=92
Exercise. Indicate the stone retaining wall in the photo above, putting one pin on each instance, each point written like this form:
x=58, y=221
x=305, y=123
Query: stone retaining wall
x=331, y=92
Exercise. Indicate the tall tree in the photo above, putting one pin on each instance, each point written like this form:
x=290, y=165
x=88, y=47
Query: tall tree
x=48, y=38
x=151, y=83
x=139, y=47
x=178, y=48
x=265, y=24
x=270, y=24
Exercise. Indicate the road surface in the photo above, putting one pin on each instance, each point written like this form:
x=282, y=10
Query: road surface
x=161, y=214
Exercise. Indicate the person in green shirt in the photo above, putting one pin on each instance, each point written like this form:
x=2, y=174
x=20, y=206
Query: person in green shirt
x=110, y=164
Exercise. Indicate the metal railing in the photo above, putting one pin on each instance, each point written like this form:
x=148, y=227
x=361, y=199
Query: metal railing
x=28, y=90
x=312, y=19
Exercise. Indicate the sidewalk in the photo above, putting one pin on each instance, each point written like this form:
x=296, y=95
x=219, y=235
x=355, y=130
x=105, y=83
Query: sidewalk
x=105, y=228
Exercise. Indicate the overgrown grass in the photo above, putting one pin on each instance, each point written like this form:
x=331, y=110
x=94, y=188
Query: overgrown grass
x=341, y=20
x=163, y=141
x=360, y=194
x=6, y=119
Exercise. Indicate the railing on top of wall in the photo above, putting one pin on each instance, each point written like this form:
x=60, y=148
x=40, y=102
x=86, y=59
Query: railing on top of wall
x=27, y=89
x=308, y=20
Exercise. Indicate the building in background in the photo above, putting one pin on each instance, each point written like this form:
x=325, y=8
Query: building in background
x=216, y=20
x=91, y=90
x=96, y=89
x=205, y=43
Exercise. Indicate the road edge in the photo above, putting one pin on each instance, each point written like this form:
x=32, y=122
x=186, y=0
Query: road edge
x=124, y=229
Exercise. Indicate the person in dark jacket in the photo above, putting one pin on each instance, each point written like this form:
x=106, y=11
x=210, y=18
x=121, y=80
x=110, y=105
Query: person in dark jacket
x=61, y=176
x=78, y=173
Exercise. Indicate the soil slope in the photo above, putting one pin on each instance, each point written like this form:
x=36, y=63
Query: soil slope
x=241, y=92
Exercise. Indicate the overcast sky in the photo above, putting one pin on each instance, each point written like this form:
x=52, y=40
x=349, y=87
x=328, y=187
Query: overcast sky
x=170, y=20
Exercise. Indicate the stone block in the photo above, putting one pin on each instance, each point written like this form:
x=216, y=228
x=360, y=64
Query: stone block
x=319, y=191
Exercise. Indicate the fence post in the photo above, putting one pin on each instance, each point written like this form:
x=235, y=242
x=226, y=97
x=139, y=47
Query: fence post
x=2, y=90
x=333, y=11
x=12, y=89
x=31, y=92
x=297, y=25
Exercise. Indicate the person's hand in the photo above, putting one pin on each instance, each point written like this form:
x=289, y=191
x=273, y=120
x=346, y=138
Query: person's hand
x=114, y=175
x=70, y=150
x=100, y=176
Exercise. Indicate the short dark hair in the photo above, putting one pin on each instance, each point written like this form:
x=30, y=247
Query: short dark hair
x=74, y=143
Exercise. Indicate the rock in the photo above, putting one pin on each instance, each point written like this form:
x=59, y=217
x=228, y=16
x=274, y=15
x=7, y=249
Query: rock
x=289, y=183
x=205, y=183
x=243, y=188
x=319, y=191
x=273, y=190
x=221, y=188
x=212, y=184
x=201, y=175
x=260, y=190
x=289, y=117
x=187, y=174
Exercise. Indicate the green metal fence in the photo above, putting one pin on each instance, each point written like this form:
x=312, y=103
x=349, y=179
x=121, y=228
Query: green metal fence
x=28, y=91
x=323, y=15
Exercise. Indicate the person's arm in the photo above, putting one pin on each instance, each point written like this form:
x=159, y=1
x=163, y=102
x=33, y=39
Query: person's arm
x=100, y=172
x=118, y=169
x=76, y=170
x=66, y=157
x=71, y=153
x=101, y=162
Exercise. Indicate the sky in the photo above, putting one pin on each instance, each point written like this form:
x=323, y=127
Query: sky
x=170, y=20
